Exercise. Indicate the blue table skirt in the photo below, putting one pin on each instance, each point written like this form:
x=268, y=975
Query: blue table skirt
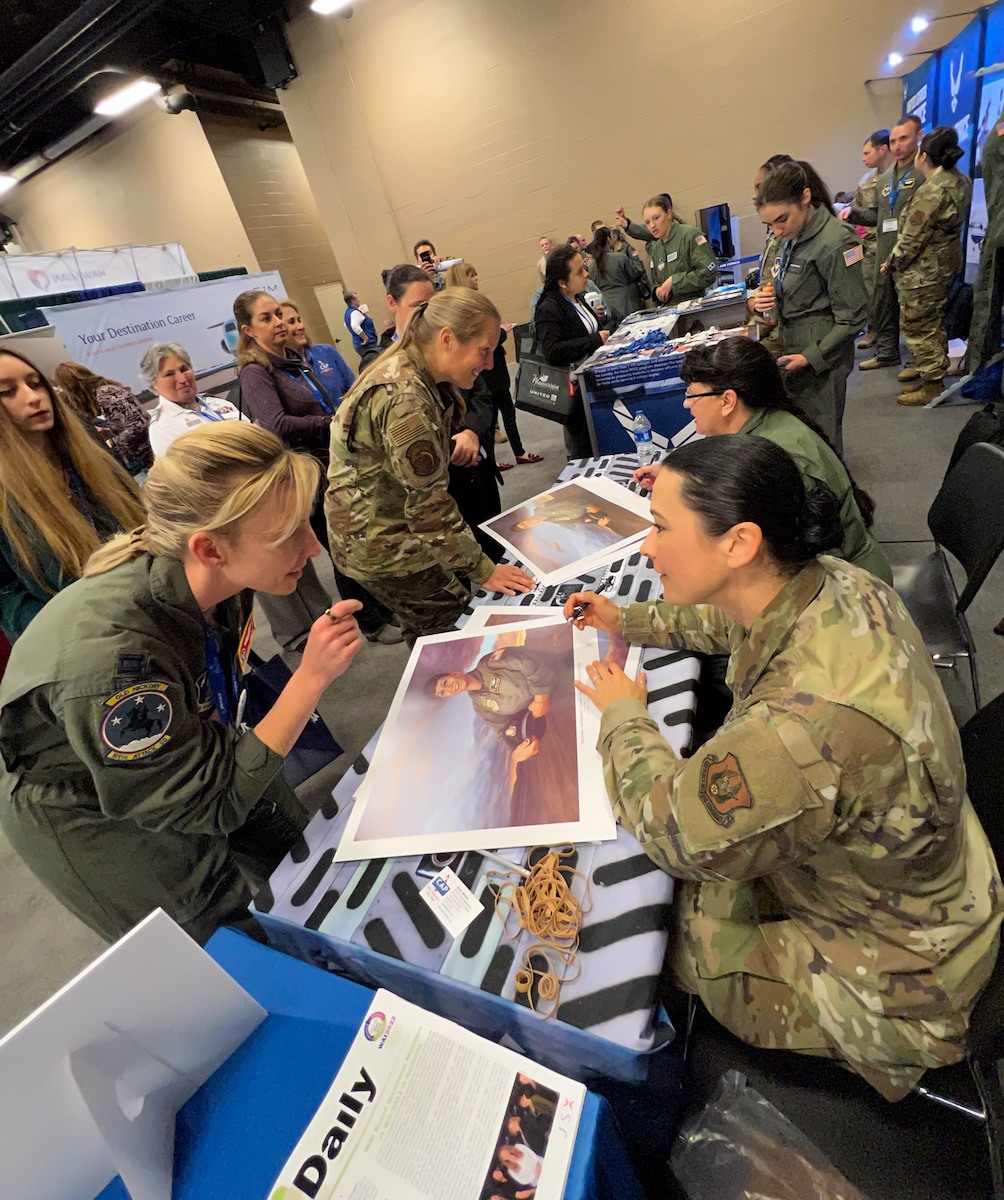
x=236, y=1132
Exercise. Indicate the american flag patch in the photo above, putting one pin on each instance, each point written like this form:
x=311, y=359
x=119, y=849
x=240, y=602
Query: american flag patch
x=855, y=254
x=702, y=240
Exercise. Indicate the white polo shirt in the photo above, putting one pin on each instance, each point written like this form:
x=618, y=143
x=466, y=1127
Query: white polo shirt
x=169, y=420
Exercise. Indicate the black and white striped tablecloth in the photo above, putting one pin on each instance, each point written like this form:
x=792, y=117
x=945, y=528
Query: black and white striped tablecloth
x=356, y=916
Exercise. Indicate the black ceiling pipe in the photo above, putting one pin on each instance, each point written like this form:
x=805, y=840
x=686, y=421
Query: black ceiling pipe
x=53, y=83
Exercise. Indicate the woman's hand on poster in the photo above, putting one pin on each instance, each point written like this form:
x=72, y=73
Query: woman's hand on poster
x=540, y=706
x=645, y=476
x=792, y=362
x=333, y=642
x=526, y=749
x=509, y=580
x=603, y=522
x=599, y=612
x=607, y=683
x=465, y=449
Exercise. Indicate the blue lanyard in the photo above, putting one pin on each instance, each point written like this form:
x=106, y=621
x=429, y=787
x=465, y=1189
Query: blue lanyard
x=894, y=189
x=322, y=400
x=207, y=413
x=222, y=683
x=783, y=259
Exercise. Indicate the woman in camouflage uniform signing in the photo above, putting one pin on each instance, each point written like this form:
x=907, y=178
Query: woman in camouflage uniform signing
x=926, y=258
x=840, y=896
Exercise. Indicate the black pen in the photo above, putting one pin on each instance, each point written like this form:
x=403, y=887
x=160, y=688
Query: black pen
x=579, y=609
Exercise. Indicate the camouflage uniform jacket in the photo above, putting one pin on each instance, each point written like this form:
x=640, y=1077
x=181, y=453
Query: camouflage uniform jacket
x=510, y=678
x=837, y=783
x=929, y=246
x=891, y=204
x=389, y=512
x=865, y=203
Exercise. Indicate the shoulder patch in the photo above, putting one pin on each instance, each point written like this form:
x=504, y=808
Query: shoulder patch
x=723, y=788
x=130, y=665
x=136, y=722
x=423, y=458
x=854, y=255
x=403, y=432
x=917, y=218
x=702, y=240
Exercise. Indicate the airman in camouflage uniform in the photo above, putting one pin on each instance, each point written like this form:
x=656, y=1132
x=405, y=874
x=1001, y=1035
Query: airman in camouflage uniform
x=841, y=896
x=392, y=523
x=925, y=259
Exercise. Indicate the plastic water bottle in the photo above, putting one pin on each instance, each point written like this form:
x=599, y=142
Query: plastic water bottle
x=642, y=431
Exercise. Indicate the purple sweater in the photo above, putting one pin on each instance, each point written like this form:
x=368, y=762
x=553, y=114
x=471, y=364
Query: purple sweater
x=282, y=401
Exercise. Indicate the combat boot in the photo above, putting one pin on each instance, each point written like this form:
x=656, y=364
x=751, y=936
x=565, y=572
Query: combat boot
x=873, y=364
x=908, y=375
x=924, y=393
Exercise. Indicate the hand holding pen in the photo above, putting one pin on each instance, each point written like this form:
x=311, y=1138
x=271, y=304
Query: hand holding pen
x=590, y=608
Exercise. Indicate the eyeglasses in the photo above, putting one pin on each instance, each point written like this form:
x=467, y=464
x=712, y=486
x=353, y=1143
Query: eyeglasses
x=701, y=395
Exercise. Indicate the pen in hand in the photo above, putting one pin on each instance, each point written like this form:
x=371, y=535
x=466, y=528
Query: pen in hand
x=579, y=609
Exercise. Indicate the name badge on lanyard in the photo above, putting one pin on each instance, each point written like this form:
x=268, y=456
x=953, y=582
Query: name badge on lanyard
x=223, y=676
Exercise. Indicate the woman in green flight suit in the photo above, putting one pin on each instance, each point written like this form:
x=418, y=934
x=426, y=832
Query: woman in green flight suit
x=683, y=263
x=617, y=274
x=819, y=289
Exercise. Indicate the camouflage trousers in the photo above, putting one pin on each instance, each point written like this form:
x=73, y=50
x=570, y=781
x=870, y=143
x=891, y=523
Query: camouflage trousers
x=922, y=324
x=428, y=602
x=760, y=976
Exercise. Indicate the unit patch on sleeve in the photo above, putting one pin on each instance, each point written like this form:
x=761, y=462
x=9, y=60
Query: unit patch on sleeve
x=423, y=458
x=136, y=722
x=723, y=788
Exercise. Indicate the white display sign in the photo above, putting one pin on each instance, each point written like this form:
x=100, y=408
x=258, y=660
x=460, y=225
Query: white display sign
x=110, y=335
x=91, y=1082
x=25, y=275
x=421, y=1108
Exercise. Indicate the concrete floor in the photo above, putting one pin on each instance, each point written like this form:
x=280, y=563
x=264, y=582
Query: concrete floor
x=897, y=454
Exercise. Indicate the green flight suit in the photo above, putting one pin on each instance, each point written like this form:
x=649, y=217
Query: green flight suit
x=120, y=789
x=562, y=510
x=841, y=898
x=510, y=678
x=926, y=258
x=685, y=256
x=818, y=464
x=988, y=291
x=823, y=307
x=391, y=520
x=888, y=223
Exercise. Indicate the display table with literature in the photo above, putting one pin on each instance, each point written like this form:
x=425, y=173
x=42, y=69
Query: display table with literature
x=237, y=1131
x=638, y=368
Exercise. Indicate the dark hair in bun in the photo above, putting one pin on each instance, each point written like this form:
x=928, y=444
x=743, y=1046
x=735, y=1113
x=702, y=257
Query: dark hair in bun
x=728, y=480
x=942, y=147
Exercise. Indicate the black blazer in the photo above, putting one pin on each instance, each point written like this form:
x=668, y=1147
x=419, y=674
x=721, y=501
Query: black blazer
x=560, y=334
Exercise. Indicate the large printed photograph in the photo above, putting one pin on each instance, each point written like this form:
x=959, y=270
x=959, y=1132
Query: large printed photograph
x=487, y=744
x=573, y=527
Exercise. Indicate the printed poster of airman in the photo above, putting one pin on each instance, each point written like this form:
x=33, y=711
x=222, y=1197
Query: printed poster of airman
x=572, y=528
x=487, y=744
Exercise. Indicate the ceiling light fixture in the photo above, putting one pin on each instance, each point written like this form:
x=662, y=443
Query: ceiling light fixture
x=127, y=97
x=919, y=24
x=6, y=183
x=326, y=7
x=894, y=60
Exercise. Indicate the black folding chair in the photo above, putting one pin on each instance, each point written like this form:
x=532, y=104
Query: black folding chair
x=966, y=519
x=981, y=737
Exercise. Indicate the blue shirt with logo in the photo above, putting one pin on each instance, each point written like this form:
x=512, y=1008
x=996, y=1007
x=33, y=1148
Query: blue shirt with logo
x=333, y=372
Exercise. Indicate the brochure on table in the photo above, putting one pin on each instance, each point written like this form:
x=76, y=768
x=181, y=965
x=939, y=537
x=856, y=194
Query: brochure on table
x=90, y=1083
x=573, y=527
x=460, y=769
x=423, y=1109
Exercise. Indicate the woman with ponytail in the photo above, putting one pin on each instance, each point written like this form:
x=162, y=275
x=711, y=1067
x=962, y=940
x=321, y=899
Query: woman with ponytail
x=129, y=781
x=392, y=522
x=736, y=387
x=839, y=897
x=61, y=493
x=818, y=296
